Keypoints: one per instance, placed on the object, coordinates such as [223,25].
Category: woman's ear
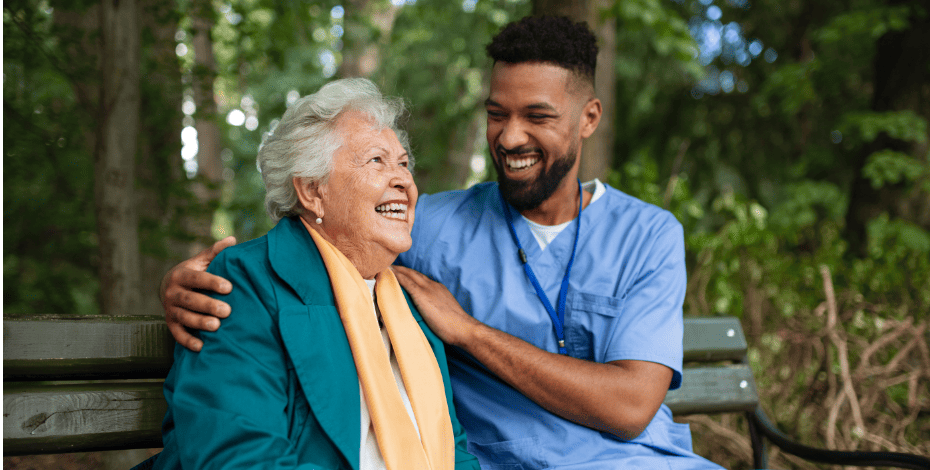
[309,195]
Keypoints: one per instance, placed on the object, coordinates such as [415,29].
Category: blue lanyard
[558,317]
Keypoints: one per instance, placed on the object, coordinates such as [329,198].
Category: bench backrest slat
[48,347]
[82,417]
[714,339]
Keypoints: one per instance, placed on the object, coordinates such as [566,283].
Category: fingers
[202,259]
[196,321]
[409,278]
[186,278]
[178,319]
[222,245]
[185,299]
[184,338]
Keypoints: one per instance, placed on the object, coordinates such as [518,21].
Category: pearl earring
[319,220]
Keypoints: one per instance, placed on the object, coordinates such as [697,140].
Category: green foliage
[871,23]
[891,167]
[666,31]
[903,125]
[898,265]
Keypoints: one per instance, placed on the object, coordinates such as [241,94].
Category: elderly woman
[333,367]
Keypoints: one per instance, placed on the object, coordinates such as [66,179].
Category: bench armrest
[763,426]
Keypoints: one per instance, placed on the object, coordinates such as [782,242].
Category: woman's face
[368,202]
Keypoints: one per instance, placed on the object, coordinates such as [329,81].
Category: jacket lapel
[314,337]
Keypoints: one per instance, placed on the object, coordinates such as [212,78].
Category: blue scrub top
[624,301]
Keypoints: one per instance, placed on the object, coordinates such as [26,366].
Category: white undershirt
[546,233]
[369,454]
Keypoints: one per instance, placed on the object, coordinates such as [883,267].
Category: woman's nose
[401,177]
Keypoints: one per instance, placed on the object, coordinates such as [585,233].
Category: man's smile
[521,162]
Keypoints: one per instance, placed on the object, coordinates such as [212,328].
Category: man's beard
[529,194]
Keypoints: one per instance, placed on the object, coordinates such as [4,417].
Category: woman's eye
[405,164]
[376,160]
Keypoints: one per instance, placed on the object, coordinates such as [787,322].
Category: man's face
[533,131]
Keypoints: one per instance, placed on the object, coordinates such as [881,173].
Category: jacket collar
[293,256]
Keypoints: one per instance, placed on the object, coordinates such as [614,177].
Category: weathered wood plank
[718,389]
[714,339]
[47,347]
[42,347]
[54,418]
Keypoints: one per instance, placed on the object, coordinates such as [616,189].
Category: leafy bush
[838,343]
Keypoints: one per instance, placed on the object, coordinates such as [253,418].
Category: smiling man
[561,301]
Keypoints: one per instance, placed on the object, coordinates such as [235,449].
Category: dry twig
[842,353]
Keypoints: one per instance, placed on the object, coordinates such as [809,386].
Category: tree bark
[210,166]
[117,221]
[577,10]
[597,153]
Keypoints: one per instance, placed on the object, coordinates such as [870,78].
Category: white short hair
[304,142]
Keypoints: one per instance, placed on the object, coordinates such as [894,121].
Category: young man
[561,302]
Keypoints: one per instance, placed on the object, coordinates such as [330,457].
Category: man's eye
[538,116]
[376,160]
[495,114]
[405,164]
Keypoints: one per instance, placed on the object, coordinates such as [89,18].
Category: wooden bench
[78,384]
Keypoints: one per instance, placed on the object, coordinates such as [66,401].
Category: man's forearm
[620,397]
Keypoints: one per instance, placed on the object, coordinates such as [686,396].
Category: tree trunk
[210,166]
[117,221]
[597,149]
[367,25]
[577,10]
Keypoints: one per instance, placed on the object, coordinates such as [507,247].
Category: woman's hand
[438,307]
[186,308]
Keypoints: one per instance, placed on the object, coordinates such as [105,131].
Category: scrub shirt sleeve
[650,327]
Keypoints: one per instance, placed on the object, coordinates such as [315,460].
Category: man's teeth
[520,163]
[393,210]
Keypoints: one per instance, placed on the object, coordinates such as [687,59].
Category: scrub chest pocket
[588,319]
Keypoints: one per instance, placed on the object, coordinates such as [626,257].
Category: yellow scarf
[401,448]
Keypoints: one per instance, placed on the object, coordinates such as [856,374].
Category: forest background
[790,138]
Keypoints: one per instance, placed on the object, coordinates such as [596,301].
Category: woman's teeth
[393,210]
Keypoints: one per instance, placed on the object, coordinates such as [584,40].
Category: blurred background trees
[790,139]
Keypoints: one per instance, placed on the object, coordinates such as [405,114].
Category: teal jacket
[275,387]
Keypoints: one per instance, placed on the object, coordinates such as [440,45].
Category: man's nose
[513,135]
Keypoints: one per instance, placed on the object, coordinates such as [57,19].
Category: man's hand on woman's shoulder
[184,307]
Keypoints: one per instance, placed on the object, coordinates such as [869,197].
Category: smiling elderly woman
[304,378]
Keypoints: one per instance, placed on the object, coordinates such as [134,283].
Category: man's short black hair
[551,39]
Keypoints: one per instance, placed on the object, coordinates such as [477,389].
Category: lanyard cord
[558,317]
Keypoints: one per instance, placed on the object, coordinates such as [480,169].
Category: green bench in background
[79,384]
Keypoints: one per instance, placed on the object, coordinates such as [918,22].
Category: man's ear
[590,117]
[310,195]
